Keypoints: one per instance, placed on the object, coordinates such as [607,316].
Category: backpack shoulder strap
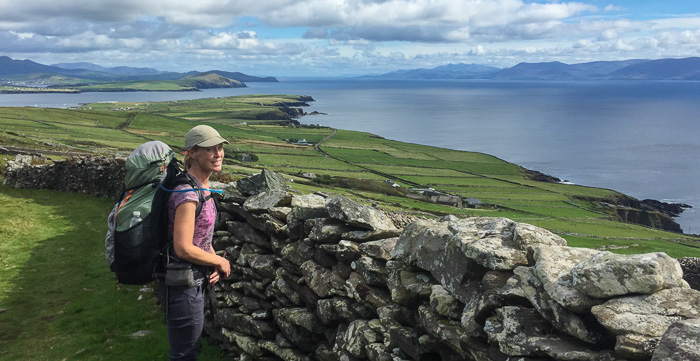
[200,194]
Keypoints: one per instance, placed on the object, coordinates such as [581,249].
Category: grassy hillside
[54,281]
[354,164]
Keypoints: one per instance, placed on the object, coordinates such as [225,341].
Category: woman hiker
[192,244]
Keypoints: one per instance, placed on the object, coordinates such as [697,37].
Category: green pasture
[117,128]
[59,298]
[149,85]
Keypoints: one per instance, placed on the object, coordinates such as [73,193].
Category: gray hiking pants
[185,319]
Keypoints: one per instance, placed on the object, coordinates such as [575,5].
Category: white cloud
[368,34]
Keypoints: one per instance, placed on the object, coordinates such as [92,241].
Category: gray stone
[432,247]
[264,201]
[308,207]
[301,317]
[248,344]
[362,292]
[607,274]
[528,237]
[324,353]
[244,324]
[681,341]
[326,230]
[406,340]
[263,264]
[287,354]
[282,288]
[323,281]
[280,213]
[444,304]
[484,301]
[499,243]
[372,270]
[407,287]
[562,319]
[563,348]
[352,340]
[297,253]
[447,331]
[268,224]
[267,180]
[367,235]
[246,233]
[335,309]
[511,327]
[640,321]
[377,352]
[347,251]
[359,215]
[300,326]
[380,249]
[553,268]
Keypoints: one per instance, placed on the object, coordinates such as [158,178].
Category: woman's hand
[214,277]
[224,266]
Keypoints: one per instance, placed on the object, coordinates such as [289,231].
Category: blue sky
[343,37]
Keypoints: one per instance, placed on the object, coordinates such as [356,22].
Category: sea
[641,138]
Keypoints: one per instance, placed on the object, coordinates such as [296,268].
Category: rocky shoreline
[631,209]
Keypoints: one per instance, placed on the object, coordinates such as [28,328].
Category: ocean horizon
[636,137]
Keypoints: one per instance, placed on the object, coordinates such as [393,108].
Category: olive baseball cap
[203,136]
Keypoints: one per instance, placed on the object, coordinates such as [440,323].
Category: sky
[287,38]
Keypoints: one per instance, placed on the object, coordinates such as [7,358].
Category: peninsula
[396,176]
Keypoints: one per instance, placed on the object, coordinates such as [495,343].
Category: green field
[350,163]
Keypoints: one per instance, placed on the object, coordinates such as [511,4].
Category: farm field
[359,165]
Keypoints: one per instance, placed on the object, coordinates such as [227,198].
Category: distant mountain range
[637,69]
[450,71]
[663,69]
[27,69]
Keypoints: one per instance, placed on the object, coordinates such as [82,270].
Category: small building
[446,199]
[473,203]
[391,183]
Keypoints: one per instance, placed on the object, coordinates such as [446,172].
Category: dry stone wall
[318,277]
[97,176]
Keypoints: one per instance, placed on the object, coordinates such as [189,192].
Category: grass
[60,298]
[117,128]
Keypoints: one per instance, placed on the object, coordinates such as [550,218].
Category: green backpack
[138,224]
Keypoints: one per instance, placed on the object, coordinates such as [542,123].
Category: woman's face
[209,159]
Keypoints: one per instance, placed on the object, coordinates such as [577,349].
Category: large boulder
[561,318]
[499,243]
[640,321]
[307,207]
[680,342]
[267,180]
[360,216]
[553,266]
[264,201]
[493,243]
[432,246]
[608,275]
